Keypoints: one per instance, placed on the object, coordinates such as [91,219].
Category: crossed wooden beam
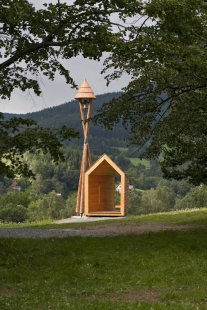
[85,96]
[86,157]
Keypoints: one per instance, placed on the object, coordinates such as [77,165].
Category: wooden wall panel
[100,193]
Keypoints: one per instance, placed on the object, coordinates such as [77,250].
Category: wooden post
[85,96]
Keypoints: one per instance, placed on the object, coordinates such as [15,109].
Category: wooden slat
[107,213]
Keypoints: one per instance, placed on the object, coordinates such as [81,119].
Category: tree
[34,41]
[48,206]
[159,199]
[10,213]
[19,135]
[165,103]
[197,198]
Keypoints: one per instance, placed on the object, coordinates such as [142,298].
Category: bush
[150,203]
[16,198]
[11,213]
[153,200]
[197,198]
[70,206]
[47,207]
[134,202]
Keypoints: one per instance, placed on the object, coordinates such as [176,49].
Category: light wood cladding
[100,188]
[85,96]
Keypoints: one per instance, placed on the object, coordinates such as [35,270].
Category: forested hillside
[53,193]
[68,114]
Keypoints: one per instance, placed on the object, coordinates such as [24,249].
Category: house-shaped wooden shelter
[100,189]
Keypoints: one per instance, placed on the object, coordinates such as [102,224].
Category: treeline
[52,194]
[166,197]
[30,206]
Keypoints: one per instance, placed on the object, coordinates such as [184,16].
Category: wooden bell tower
[85,96]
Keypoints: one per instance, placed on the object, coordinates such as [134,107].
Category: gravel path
[99,230]
[24,232]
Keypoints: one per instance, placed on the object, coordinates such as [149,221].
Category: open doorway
[117,192]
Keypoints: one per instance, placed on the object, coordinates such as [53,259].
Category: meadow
[163,270]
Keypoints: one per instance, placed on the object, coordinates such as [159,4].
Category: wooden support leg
[79,194]
[86,157]
[89,156]
[82,181]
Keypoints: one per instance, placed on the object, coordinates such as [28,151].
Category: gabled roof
[107,159]
[85,91]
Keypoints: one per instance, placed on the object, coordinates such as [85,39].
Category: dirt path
[99,230]
[120,228]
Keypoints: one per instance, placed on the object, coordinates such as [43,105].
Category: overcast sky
[57,92]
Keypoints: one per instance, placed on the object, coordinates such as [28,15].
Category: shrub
[11,213]
[47,207]
[197,198]
[134,202]
[70,206]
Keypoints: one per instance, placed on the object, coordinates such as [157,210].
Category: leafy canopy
[19,135]
[165,103]
[35,41]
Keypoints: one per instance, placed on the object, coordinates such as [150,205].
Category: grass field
[137,161]
[193,216]
[165,270]
[134,160]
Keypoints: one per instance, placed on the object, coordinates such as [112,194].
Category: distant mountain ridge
[101,139]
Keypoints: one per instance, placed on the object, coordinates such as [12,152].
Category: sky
[58,92]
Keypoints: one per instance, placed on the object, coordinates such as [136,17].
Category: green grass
[28,224]
[192,217]
[165,270]
[137,161]
[121,149]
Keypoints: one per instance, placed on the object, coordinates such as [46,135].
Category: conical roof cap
[85,91]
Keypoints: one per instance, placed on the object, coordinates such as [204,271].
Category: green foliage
[68,114]
[35,40]
[18,135]
[13,206]
[17,198]
[122,162]
[31,206]
[134,202]
[143,177]
[47,207]
[63,178]
[166,196]
[165,103]
[197,198]
[70,206]
[157,200]
[11,213]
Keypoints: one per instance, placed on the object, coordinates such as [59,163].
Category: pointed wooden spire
[85,91]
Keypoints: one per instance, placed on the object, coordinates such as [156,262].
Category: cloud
[57,92]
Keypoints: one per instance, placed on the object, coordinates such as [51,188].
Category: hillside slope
[101,139]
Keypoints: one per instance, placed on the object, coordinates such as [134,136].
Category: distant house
[118,188]
[15,186]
